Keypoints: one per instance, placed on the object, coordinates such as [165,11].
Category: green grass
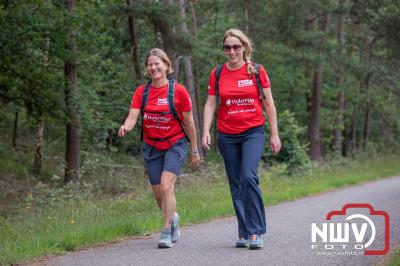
[394,258]
[391,259]
[73,224]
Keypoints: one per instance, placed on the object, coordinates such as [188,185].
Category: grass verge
[394,258]
[73,224]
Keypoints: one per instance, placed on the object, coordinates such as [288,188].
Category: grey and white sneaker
[255,242]
[242,243]
[165,239]
[175,234]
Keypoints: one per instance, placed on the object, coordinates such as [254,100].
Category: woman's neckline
[233,69]
[159,84]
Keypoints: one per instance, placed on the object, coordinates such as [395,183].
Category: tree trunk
[196,68]
[313,106]
[172,54]
[188,76]
[316,98]
[354,142]
[134,46]
[367,112]
[368,104]
[37,163]
[315,110]
[340,97]
[15,130]
[73,137]
[246,7]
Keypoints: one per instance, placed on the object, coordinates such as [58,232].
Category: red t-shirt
[156,125]
[240,107]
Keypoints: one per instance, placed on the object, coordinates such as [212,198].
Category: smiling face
[156,67]
[233,49]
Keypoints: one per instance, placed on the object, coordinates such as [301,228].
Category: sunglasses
[235,47]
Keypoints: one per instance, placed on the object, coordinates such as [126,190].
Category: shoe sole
[165,245]
[256,247]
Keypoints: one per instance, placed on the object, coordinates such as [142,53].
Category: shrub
[293,152]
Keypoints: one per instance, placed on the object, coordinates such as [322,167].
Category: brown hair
[160,54]
[248,45]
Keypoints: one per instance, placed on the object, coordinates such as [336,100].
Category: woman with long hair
[243,91]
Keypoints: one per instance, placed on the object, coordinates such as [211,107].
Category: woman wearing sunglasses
[164,146]
[241,131]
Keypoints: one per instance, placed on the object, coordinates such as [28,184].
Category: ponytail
[251,70]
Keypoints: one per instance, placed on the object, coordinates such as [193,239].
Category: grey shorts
[170,160]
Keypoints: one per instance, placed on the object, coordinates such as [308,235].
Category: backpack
[171,106]
[218,75]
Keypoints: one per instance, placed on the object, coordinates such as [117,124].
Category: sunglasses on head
[235,47]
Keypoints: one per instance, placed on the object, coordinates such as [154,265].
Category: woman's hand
[122,131]
[275,144]
[206,140]
[130,122]
[195,160]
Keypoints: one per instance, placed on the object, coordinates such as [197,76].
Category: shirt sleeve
[136,101]
[211,82]
[183,102]
[264,80]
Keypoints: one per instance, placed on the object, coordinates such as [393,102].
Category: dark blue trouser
[242,153]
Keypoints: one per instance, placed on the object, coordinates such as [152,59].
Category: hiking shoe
[175,234]
[255,242]
[242,243]
[165,239]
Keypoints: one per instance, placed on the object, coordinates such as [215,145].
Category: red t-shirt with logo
[157,125]
[240,107]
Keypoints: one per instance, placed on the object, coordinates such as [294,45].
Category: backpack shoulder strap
[260,89]
[218,71]
[144,96]
[143,105]
[171,105]
[171,97]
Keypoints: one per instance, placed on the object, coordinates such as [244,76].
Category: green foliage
[293,152]
[278,29]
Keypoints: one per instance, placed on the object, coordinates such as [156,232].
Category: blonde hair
[163,56]
[248,45]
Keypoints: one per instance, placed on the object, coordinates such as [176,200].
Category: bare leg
[157,195]
[168,197]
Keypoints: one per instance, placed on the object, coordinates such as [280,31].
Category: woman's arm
[209,110]
[130,122]
[191,131]
[269,106]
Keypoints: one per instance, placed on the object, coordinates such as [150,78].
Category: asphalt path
[287,242]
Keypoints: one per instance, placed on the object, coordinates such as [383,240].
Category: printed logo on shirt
[154,118]
[248,101]
[209,87]
[245,83]
[162,101]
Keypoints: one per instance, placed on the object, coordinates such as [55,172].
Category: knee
[250,180]
[165,189]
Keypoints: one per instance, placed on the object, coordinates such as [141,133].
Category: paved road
[288,241]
